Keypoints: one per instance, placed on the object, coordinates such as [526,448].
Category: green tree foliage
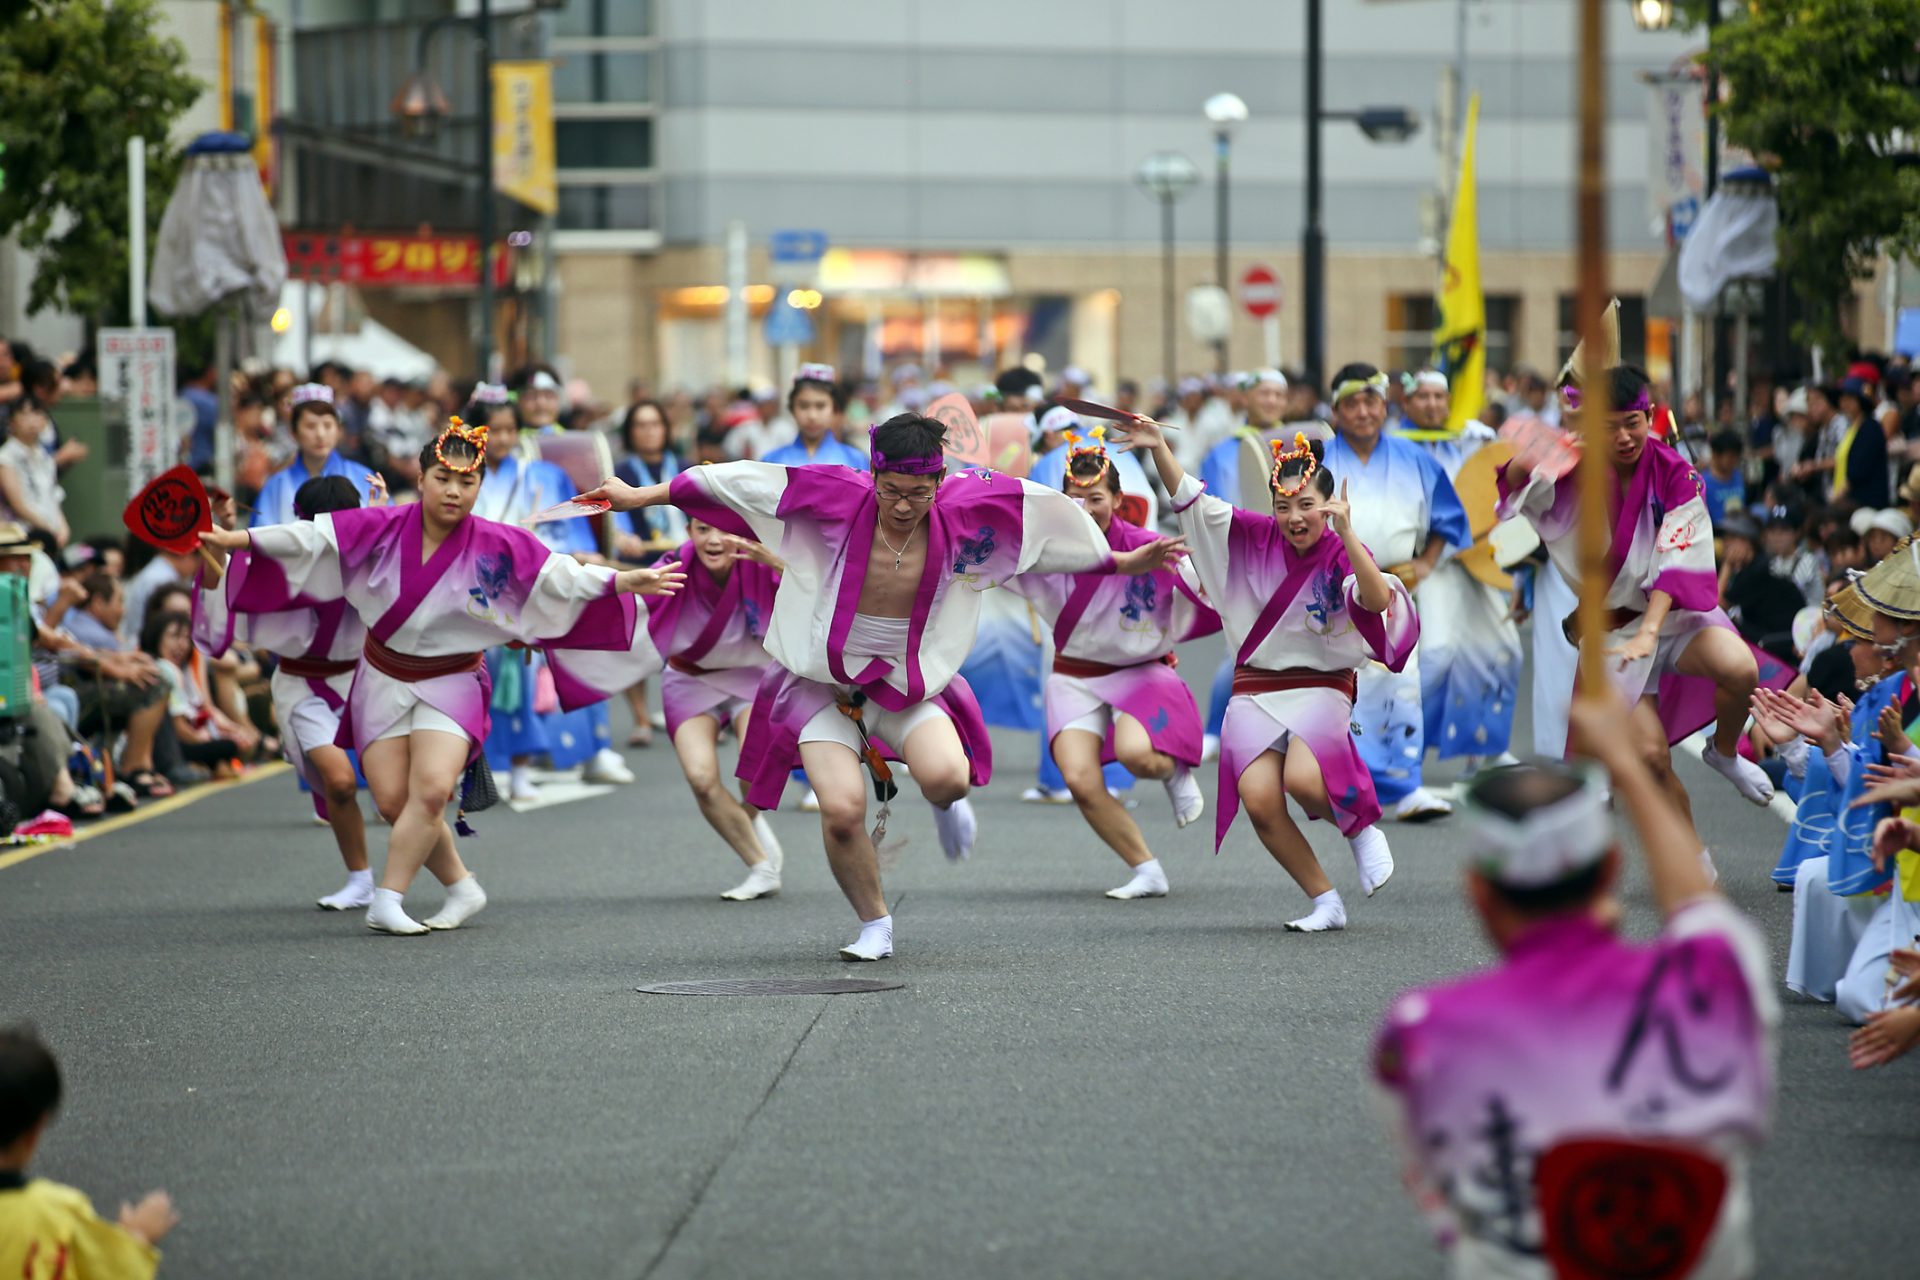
[78,79]
[1826,95]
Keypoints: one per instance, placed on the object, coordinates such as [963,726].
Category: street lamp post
[1166,176]
[422,105]
[1381,124]
[1224,110]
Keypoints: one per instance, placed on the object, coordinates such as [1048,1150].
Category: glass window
[605,18]
[603,77]
[606,207]
[1410,320]
[604,144]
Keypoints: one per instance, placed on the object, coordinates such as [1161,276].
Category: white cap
[1271,377]
[542,381]
[1862,520]
[1888,520]
[1075,374]
[1058,418]
[1797,401]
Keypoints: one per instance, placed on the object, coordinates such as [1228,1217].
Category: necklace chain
[899,551]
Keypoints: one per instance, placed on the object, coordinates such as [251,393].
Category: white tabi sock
[762,882]
[957,827]
[520,784]
[357,893]
[1184,790]
[1149,881]
[769,844]
[1372,857]
[1209,747]
[386,915]
[1328,913]
[464,900]
[874,943]
[1746,776]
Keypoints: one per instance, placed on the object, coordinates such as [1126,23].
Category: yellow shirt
[49,1231]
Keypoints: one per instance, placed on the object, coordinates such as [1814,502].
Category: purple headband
[930,465]
[1642,403]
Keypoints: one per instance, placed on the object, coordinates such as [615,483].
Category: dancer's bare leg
[841,783]
[1263,794]
[1133,747]
[1077,752]
[1718,655]
[697,744]
[342,792]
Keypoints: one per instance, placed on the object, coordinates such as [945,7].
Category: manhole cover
[769,987]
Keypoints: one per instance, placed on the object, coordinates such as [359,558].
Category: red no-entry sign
[1260,292]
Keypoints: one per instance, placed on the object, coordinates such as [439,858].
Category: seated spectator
[1762,603]
[129,694]
[202,732]
[47,1228]
[1884,529]
[1723,487]
[1488,1073]
[1791,559]
[1844,551]
[30,489]
[166,569]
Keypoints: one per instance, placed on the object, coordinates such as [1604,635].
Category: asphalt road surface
[1066,1086]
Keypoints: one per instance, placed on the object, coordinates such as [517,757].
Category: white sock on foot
[1329,912]
[1184,790]
[1746,776]
[810,802]
[957,827]
[1209,747]
[386,915]
[769,844]
[874,943]
[520,784]
[357,893]
[464,900]
[1421,805]
[1149,881]
[1372,857]
[762,882]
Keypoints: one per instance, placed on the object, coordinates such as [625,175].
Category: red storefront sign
[391,261]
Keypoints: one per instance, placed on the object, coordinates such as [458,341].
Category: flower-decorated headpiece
[313,393]
[816,373]
[1091,445]
[1300,450]
[490,394]
[475,436]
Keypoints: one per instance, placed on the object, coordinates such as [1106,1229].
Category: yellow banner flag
[1460,332]
[523,164]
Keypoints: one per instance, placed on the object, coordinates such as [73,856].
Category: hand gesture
[1905,961]
[1137,433]
[227,539]
[1896,770]
[748,549]
[72,593]
[1890,836]
[1892,734]
[1888,1034]
[1635,649]
[614,491]
[1816,720]
[1767,727]
[151,1219]
[1149,556]
[1340,515]
[377,495]
[652,582]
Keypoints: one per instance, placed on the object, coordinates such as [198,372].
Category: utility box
[97,488]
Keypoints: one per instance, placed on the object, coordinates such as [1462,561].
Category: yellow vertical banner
[523,164]
[1460,332]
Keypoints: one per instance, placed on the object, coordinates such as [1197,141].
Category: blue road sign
[788,325]
[797,246]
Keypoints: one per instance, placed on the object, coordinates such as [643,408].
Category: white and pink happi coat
[315,637]
[1286,611]
[713,635]
[1578,1033]
[488,584]
[1662,540]
[982,529]
[1130,624]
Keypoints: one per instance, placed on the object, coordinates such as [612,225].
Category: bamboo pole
[1592,418]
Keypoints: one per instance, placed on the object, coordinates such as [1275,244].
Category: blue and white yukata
[510,492]
[275,503]
[1401,499]
[1470,654]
